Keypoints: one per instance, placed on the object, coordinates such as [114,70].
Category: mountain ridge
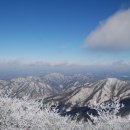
[95,93]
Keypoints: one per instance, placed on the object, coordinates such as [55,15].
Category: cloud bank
[111,34]
[37,66]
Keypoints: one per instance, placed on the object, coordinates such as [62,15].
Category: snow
[30,87]
[25,114]
[98,92]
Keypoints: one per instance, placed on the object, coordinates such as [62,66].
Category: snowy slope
[66,82]
[30,87]
[42,86]
[95,93]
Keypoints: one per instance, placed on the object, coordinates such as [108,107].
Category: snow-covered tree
[25,114]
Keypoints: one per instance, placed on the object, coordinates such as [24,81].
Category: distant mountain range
[42,86]
[66,83]
[75,90]
[69,94]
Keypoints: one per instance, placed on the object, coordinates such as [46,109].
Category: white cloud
[112,34]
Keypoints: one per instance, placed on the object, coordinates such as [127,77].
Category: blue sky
[55,31]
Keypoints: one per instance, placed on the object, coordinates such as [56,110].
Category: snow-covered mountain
[66,82]
[75,95]
[71,90]
[42,86]
[94,94]
[29,87]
